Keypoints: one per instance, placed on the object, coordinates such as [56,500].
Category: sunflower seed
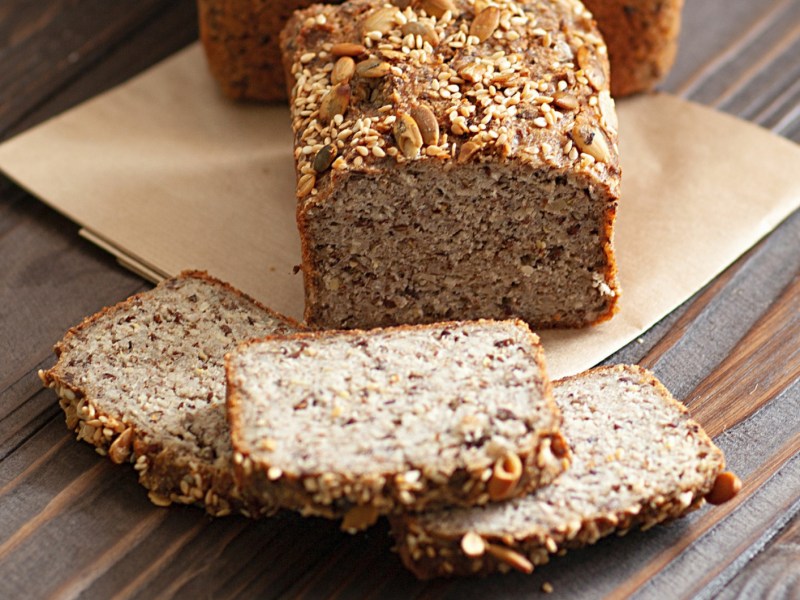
[382,20]
[591,140]
[467,151]
[343,70]
[348,49]
[485,23]
[373,68]
[423,30]
[407,135]
[437,8]
[427,123]
[335,102]
[590,64]
[305,185]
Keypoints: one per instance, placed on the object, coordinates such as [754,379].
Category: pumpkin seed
[324,158]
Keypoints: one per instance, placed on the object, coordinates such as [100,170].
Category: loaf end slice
[362,423]
[144,382]
[429,145]
[638,459]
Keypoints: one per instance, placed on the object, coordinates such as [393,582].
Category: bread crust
[431,554]
[240,40]
[642,38]
[168,475]
[341,494]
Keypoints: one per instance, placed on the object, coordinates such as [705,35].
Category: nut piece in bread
[467,169]
[361,423]
[638,459]
[144,382]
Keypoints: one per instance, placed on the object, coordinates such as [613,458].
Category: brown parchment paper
[166,174]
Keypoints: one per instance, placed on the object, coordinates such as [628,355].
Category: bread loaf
[637,459]
[362,423]
[144,382]
[453,165]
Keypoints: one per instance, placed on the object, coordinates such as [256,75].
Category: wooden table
[73,524]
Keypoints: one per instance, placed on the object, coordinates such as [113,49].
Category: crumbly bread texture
[642,39]
[637,459]
[144,382]
[430,145]
[361,423]
[240,39]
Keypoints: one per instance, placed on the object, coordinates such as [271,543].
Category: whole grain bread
[144,382]
[637,459]
[642,39]
[432,144]
[362,423]
[240,40]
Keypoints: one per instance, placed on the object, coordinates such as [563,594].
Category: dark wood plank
[774,573]
[50,43]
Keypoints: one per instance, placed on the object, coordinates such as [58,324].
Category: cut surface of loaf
[363,423]
[637,459]
[144,382]
[432,144]
[642,39]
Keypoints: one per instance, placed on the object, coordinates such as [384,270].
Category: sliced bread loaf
[144,382]
[637,459]
[361,423]
[439,138]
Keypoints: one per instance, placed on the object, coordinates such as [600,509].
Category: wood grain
[732,351]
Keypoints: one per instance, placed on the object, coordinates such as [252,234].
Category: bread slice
[637,459]
[434,140]
[361,423]
[144,382]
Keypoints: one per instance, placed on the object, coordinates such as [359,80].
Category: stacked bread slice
[144,381]
[449,428]
[358,423]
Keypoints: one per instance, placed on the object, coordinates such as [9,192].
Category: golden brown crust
[642,39]
[168,476]
[240,38]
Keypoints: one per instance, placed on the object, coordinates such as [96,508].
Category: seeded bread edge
[167,476]
[444,556]
[361,499]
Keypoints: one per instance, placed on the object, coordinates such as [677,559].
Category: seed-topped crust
[637,460]
[143,382]
[362,423]
[492,70]
[451,90]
